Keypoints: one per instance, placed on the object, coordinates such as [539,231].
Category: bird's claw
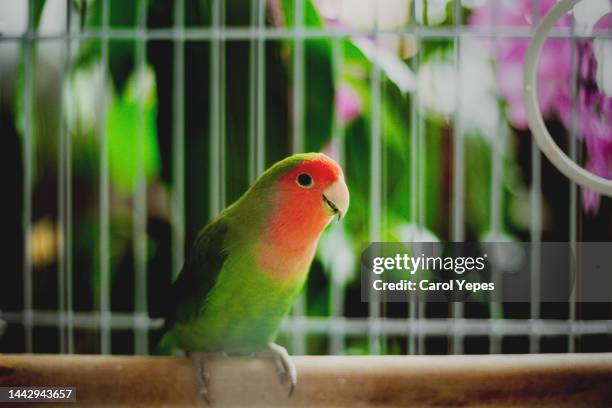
[285,368]
[200,365]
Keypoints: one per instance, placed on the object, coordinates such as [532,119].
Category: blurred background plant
[424,93]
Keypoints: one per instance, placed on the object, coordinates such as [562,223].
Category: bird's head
[316,185]
[303,193]
[287,209]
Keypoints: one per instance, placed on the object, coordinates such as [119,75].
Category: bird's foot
[201,367]
[285,368]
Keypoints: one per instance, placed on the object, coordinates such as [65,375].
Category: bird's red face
[319,184]
[310,195]
[307,197]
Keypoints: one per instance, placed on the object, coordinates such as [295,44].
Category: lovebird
[249,264]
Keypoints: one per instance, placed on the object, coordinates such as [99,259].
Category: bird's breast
[285,262]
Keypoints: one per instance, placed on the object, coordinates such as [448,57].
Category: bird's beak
[336,198]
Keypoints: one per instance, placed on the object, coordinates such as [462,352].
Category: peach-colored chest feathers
[291,238]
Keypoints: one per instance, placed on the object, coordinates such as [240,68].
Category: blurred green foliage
[131,125]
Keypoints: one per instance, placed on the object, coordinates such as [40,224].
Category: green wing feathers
[195,281]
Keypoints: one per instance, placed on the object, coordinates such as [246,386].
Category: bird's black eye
[304,180]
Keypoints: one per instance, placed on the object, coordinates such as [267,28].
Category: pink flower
[595,124]
[553,72]
[594,108]
[348,103]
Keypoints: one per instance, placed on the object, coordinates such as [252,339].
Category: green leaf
[131,120]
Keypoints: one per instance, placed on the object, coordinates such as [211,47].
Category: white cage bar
[105,303]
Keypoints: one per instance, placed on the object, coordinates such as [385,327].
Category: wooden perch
[485,381]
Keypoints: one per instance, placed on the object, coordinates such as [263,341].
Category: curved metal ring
[543,138]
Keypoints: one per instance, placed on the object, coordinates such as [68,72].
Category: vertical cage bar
[458,191]
[61,222]
[139,213]
[535,234]
[104,244]
[535,231]
[178,139]
[64,231]
[421,192]
[222,107]
[414,193]
[422,176]
[375,183]
[337,284]
[297,145]
[69,209]
[261,89]
[495,307]
[496,228]
[298,79]
[257,90]
[215,113]
[28,165]
[574,197]
[253,55]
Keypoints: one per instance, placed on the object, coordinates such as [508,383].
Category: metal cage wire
[417,326]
